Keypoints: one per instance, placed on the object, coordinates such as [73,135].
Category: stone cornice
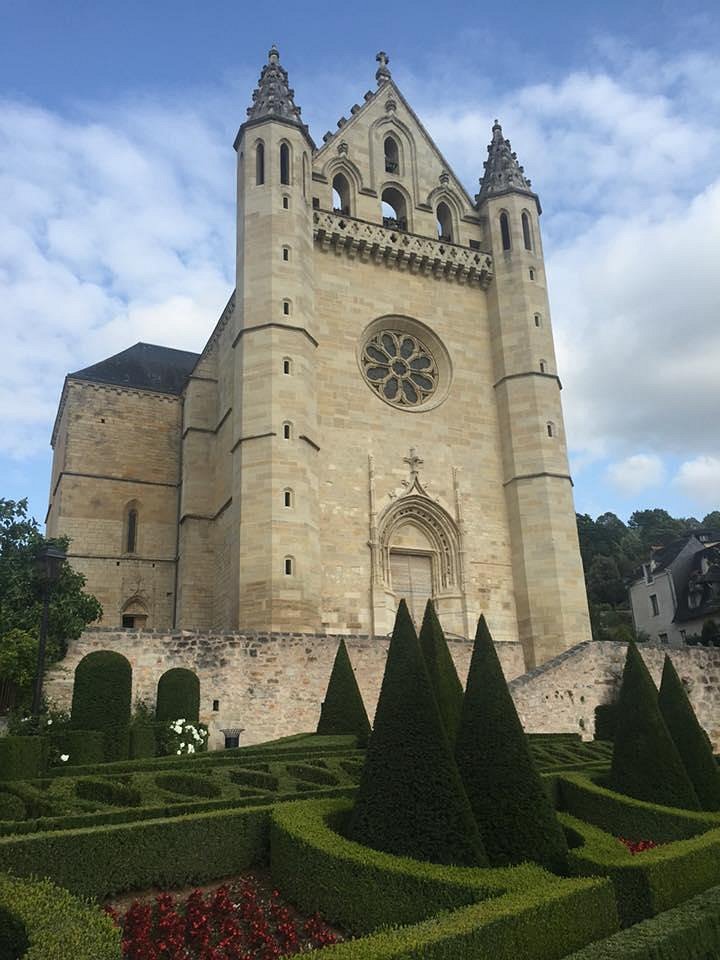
[406,251]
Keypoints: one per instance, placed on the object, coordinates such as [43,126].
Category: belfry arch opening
[392,155]
[341,194]
[394,209]
[444,222]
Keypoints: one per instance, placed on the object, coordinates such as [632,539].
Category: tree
[689,737]
[70,609]
[604,582]
[645,762]
[411,801]
[343,710]
[516,818]
[710,634]
[712,520]
[443,675]
[656,527]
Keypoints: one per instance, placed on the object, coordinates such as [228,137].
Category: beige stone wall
[272,684]
[115,448]
[561,696]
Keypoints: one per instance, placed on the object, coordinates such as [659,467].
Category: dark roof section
[145,366]
[704,587]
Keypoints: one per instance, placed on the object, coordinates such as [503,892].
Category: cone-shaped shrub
[646,763]
[443,675]
[516,818]
[178,696]
[343,710]
[101,700]
[689,737]
[411,801]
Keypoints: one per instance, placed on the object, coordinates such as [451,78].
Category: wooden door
[411,575]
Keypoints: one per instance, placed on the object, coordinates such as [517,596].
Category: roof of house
[703,584]
[145,366]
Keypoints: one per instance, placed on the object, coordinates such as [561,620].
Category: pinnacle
[502,173]
[382,74]
[273,98]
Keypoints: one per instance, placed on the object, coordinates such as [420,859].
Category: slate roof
[145,366]
[707,585]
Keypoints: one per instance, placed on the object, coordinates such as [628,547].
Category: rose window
[400,368]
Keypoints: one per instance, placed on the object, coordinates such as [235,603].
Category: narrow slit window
[286,254]
[287,431]
[289,566]
[532,273]
[285,164]
[286,203]
[132,527]
[527,233]
[288,497]
[260,164]
[505,230]
[537,320]
[543,367]
[287,366]
[550,429]
[286,308]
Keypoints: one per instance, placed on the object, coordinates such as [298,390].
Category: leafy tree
[710,634]
[657,527]
[343,710]
[646,763]
[689,737]
[516,818]
[443,675]
[604,581]
[70,608]
[712,520]
[411,801]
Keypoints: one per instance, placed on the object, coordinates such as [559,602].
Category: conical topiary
[443,675]
[343,710]
[689,737]
[516,818]
[646,763]
[411,801]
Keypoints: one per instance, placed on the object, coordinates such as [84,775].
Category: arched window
[305,175]
[550,426]
[543,366]
[260,163]
[131,531]
[538,321]
[392,156]
[287,431]
[289,566]
[505,230]
[394,209]
[527,233]
[284,163]
[288,498]
[532,273]
[286,203]
[444,222]
[287,366]
[341,194]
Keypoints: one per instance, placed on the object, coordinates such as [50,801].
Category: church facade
[376,414]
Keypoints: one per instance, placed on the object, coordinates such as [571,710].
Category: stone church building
[375,415]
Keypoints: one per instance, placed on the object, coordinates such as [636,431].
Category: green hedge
[100,861]
[306,771]
[50,924]
[143,742]
[688,932]
[101,700]
[11,807]
[178,696]
[652,881]
[625,816]
[255,778]
[21,758]
[343,710]
[105,791]
[496,910]
[81,746]
[188,784]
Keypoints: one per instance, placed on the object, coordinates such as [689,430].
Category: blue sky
[116,206]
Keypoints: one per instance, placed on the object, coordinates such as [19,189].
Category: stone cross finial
[382,74]
[414,462]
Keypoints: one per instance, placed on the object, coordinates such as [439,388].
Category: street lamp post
[49,563]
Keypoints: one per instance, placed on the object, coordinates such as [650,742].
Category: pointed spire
[382,74]
[503,174]
[273,98]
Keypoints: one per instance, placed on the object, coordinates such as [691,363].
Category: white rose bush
[184,738]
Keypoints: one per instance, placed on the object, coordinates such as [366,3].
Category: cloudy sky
[116,195]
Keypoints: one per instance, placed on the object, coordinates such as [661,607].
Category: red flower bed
[235,922]
[638,846]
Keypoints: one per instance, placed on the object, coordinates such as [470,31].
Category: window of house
[289,566]
[505,230]
[128,621]
[392,156]
[285,164]
[444,222]
[527,235]
[654,606]
[474,244]
[663,637]
[260,163]
[316,203]
[216,706]
[132,527]
[683,635]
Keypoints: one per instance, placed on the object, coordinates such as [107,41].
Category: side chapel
[375,415]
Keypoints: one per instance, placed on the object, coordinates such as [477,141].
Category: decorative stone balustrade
[406,251]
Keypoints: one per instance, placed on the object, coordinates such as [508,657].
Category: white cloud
[636,473]
[700,479]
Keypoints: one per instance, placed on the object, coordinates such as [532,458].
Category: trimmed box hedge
[688,932]
[625,816]
[39,921]
[650,882]
[81,746]
[21,758]
[364,889]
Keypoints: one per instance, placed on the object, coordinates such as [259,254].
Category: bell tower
[547,569]
[275,441]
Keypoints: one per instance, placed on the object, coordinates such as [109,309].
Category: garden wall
[272,684]
[561,695]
